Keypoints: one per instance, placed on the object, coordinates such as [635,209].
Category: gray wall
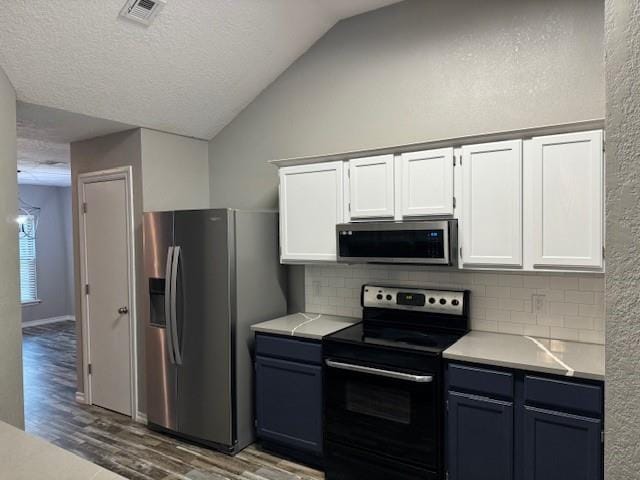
[622,279]
[11,396]
[175,172]
[102,153]
[417,71]
[53,247]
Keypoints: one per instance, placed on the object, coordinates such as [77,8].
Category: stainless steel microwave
[432,242]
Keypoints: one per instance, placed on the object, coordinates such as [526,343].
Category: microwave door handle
[380,372]
[174,313]
[167,306]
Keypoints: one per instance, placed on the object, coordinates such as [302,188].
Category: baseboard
[45,321]
[80,398]
[141,417]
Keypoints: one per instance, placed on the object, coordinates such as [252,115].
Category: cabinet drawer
[289,348]
[563,395]
[480,380]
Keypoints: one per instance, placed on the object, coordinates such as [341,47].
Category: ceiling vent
[142,11]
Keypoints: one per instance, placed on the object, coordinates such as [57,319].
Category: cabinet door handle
[380,372]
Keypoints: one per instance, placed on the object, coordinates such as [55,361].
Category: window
[27,246]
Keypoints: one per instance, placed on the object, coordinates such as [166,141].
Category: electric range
[383,392]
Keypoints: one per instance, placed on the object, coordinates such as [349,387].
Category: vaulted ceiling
[191,72]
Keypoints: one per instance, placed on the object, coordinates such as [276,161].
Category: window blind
[27,246]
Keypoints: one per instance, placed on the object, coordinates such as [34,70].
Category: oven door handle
[379,372]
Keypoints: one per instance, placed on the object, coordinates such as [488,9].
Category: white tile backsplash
[500,302]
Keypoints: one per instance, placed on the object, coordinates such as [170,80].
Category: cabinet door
[289,403]
[491,214]
[371,187]
[559,446]
[568,200]
[480,438]
[311,204]
[426,182]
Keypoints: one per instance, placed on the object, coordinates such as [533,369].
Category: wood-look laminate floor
[113,440]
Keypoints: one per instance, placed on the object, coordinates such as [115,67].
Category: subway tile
[512,328]
[591,336]
[522,293]
[312,308]
[551,295]
[328,291]
[523,317]
[562,308]
[336,282]
[511,280]
[564,333]
[585,323]
[591,310]
[511,304]
[537,330]
[550,320]
[336,301]
[328,309]
[500,292]
[499,315]
[484,302]
[577,296]
[595,283]
[398,275]
[486,279]
[478,313]
[563,283]
[535,281]
[598,298]
[484,325]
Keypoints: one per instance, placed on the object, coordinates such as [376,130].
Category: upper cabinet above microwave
[371,187]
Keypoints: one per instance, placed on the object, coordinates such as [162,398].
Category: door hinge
[603,251]
[454,160]
[349,207]
[89,369]
[454,202]
[84,207]
[460,159]
[460,252]
[86,289]
[602,436]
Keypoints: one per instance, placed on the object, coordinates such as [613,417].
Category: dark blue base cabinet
[514,425]
[289,396]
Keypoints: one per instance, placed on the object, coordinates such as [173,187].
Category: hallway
[114,441]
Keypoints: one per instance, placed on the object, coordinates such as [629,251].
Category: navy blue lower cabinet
[561,446]
[289,403]
[480,438]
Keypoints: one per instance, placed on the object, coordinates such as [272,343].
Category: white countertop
[25,457]
[559,357]
[305,325]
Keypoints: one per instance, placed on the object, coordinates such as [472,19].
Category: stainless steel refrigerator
[210,275]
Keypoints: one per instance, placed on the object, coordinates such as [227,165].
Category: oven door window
[391,417]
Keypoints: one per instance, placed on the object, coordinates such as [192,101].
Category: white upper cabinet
[567,200]
[426,183]
[371,187]
[491,216]
[311,204]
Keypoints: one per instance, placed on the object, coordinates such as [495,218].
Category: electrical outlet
[315,286]
[539,303]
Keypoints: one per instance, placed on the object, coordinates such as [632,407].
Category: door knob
[123,310]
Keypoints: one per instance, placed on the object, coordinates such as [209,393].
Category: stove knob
[442,301]
[432,300]
[389,297]
[379,296]
[455,302]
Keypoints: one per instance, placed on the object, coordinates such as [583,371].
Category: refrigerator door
[161,374]
[204,330]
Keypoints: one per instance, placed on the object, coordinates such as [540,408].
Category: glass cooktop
[435,342]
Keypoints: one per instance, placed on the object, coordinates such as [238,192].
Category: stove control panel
[416,299]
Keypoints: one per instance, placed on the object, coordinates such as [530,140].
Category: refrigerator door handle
[174,323]
[167,306]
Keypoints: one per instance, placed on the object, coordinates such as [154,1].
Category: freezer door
[203,321]
[161,374]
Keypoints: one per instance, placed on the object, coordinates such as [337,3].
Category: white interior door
[427,182]
[491,214]
[568,199]
[371,191]
[106,272]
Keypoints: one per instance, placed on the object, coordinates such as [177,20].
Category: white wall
[54,245]
[175,172]
[11,396]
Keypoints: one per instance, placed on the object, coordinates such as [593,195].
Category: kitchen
[421,154]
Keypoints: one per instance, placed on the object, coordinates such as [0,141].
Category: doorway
[109,356]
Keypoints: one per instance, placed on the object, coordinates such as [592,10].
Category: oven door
[388,412]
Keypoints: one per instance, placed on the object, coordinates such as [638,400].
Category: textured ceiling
[191,72]
[42,162]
